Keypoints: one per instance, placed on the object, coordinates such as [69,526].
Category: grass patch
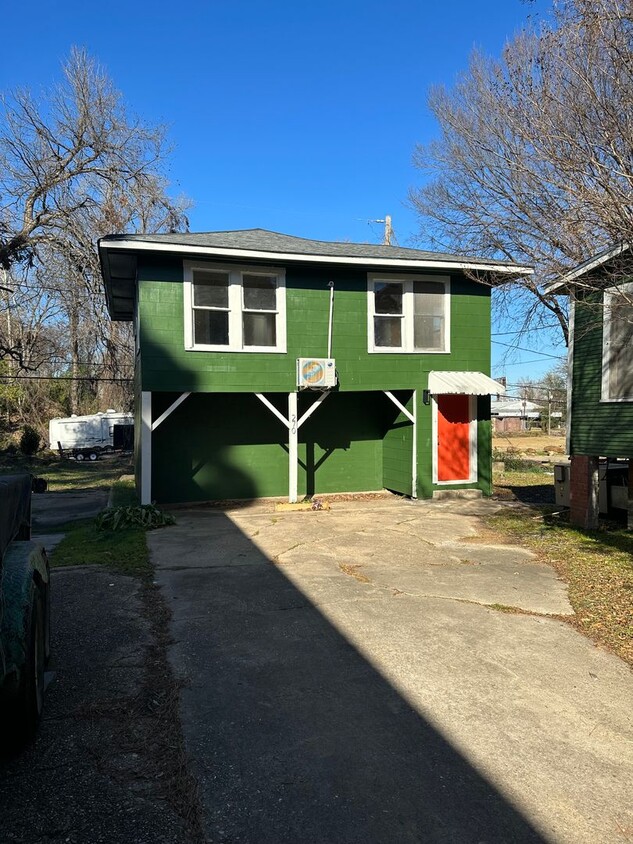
[65,475]
[123,551]
[123,492]
[596,565]
[531,484]
[513,463]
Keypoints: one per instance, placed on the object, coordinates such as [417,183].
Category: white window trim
[235,308]
[606,342]
[474,466]
[407,313]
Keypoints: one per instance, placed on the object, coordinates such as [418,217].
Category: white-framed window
[408,314]
[617,344]
[234,309]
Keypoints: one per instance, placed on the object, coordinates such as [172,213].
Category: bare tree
[72,168]
[535,162]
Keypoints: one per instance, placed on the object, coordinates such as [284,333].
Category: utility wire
[523,331]
[524,349]
[61,378]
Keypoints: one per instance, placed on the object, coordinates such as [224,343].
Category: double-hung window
[617,344]
[409,314]
[234,309]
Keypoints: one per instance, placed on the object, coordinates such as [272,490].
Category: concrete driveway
[347,680]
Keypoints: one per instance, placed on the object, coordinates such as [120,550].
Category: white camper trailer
[86,436]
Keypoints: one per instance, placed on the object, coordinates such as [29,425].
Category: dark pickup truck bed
[24,615]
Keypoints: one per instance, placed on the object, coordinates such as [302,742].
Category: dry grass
[354,571]
[596,565]
[537,441]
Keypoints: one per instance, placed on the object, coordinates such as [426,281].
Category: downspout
[330,284]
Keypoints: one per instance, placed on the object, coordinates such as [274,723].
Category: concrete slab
[346,681]
[51,509]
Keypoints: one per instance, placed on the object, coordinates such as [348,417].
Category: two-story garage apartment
[270,365]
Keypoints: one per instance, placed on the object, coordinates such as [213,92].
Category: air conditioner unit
[316,372]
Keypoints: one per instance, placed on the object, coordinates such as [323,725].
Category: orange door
[453,438]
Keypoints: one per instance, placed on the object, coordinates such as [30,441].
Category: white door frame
[472,412]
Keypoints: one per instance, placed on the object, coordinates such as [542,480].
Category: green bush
[29,441]
[147,516]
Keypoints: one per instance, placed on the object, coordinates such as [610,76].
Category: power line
[523,330]
[524,362]
[61,378]
[523,349]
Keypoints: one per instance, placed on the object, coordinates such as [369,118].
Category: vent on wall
[316,372]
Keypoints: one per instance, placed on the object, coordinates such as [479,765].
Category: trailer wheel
[79,455]
[93,456]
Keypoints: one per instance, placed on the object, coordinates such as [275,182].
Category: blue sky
[296,117]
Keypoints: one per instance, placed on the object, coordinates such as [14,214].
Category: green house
[271,365]
[600,382]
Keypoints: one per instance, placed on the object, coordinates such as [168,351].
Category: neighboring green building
[600,384]
[239,334]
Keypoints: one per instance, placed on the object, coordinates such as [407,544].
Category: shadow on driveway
[294,735]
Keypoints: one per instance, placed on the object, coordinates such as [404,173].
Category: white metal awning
[468,383]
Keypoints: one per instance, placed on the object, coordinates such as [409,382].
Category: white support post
[410,416]
[414,449]
[312,408]
[170,410]
[293,424]
[293,447]
[273,409]
[146,448]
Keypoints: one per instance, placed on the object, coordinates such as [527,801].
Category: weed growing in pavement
[146,516]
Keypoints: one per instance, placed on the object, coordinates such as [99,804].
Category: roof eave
[564,285]
[297,257]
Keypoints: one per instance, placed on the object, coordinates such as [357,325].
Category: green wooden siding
[228,445]
[604,429]
[220,444]
[397,452]
[167,366]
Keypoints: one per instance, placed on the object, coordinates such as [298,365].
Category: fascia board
[586,267]
[252,254]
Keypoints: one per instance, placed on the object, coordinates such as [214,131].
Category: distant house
[271,365]
[512,415]
[600,384]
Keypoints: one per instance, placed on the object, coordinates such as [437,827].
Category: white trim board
[252,254]
[605,385]
[235,307]
[407,346]
[586,267]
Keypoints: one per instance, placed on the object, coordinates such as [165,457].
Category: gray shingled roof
[267,241]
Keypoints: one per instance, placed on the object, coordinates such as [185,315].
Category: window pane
[428,332]
[428,297]
[429,301]
[211,328]
[388,298]
[260,292]
[621,349]
[260,330]
[211,290]
[388,332]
